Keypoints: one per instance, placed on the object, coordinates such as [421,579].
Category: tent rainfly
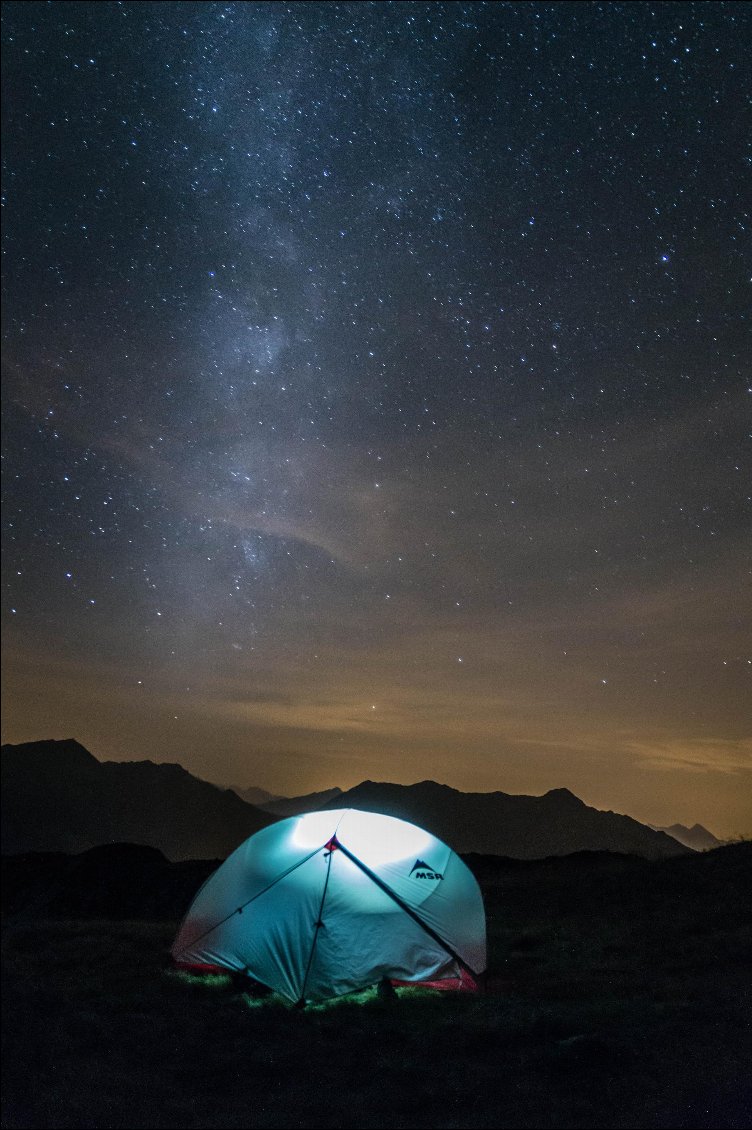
[327,903]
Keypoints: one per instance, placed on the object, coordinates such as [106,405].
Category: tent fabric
[327,903]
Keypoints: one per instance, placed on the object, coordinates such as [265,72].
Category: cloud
[698,755]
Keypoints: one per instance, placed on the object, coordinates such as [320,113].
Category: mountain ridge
[698,838]
[520,827]
[57,796]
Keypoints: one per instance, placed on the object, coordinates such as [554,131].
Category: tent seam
[239,909]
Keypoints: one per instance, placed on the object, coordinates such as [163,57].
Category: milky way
[377,393]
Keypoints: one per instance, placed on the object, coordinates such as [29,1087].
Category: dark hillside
[57,797]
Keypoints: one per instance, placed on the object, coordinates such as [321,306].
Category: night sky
[376,394]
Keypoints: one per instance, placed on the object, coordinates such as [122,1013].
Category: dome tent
[327,903]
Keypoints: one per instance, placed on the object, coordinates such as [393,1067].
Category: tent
[327,903]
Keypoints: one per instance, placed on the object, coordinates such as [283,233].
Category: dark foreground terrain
[619,995]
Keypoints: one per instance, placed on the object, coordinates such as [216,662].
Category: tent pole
[403,905]
[319,924]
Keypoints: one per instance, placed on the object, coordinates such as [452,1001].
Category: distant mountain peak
[565,795]
[696,837]
[252,794]
[50,747]
[427,785]
[309,802]
[49,756]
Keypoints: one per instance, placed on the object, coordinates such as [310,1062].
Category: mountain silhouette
[256,796]
[57,797]
[696,837]
[521,827]
[310,802]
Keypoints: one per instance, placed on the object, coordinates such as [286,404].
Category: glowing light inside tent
[374,838]
[314,829]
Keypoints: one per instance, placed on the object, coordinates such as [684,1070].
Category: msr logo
[423,870]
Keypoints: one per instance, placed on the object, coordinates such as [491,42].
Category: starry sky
[377,394]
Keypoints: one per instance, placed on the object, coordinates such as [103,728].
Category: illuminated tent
[329,902]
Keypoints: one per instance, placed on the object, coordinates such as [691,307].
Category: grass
[618,997]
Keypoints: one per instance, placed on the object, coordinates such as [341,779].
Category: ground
[618,996]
